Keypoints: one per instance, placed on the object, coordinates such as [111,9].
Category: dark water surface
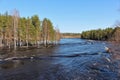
[72,59]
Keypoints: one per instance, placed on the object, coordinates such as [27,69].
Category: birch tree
[15,27]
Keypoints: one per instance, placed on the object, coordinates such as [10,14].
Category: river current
[71,59]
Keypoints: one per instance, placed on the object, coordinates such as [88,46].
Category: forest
[111,34]
[16,31]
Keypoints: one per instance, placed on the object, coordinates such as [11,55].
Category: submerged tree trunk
[15,26]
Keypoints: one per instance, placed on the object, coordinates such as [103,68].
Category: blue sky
[68,15]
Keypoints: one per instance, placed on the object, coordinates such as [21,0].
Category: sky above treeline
[69,15]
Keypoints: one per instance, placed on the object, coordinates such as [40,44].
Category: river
[72,59]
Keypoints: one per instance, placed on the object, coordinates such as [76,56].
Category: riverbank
[115,50]
[24,52]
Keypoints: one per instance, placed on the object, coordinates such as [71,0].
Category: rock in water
[31,57]
[108,59]
[107,49]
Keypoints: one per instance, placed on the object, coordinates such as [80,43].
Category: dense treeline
[16,31]
[99,34]
[115,34]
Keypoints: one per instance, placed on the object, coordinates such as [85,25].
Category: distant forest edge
[70,35]
[16,31]
[110,34]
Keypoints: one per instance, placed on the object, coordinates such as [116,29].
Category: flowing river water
[72,59]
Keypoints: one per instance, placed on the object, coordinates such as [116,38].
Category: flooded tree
[49,34]
[36,24]
[27,31]
[44,32]
[57,35]
[15,27]
[16,31]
